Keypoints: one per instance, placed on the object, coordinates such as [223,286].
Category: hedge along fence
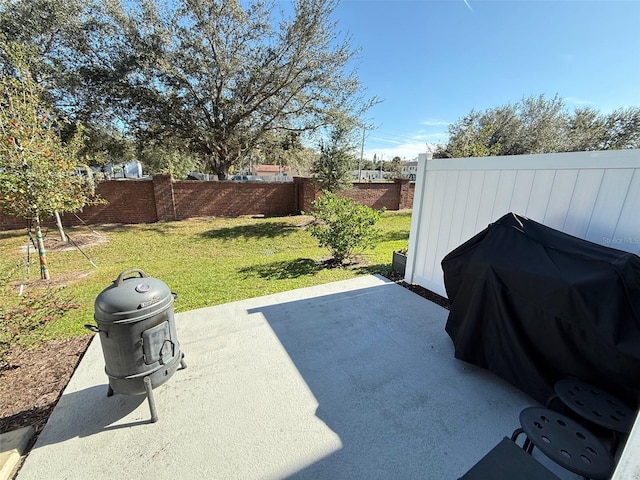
[161,199]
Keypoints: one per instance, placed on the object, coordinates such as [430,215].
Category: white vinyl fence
[591,195]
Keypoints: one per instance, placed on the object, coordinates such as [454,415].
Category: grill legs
[152,401]
[148,388]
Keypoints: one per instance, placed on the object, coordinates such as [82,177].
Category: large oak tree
[216,79]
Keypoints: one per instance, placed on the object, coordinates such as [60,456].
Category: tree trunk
[63,236]
[44,270]
[222,171]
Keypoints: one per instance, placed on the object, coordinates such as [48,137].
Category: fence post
[164,199]
[416,218]
[403,193]
[306,191]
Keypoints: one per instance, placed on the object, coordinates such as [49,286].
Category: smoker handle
[118,281]
[95,329]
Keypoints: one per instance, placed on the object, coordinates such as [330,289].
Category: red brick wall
[308,191]
[375,195]
[149,201]
[407,191]
[129,201]
[230,199]
[392,196]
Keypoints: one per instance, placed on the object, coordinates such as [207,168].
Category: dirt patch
[53,242]
[30,388]
[417,289]
[58,280]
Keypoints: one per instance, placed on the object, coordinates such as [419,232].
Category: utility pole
[361,154]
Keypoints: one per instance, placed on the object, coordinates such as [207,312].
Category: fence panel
[591,195]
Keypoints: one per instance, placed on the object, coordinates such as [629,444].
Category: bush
[343,226]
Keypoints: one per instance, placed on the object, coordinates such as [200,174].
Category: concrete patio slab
[348,380]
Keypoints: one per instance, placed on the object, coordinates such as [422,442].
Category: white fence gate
[591,195]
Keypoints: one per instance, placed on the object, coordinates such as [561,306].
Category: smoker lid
[132,298]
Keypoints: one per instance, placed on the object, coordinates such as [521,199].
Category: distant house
[118,170]
[409,170]
[369,174]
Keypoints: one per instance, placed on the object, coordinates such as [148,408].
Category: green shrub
[343,226]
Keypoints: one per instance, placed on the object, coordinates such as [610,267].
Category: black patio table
[596,405]
[508,461]
[566,442]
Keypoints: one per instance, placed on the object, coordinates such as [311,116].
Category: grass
[205,261]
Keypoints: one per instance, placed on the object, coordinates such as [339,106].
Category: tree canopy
[215,79]
[336,160]
[37,165]
[540,125]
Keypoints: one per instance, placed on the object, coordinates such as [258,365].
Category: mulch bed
[417,289]
[32,385]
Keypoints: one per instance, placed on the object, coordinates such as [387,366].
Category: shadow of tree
[13,234]
[283,270]
[19,419]
[162,228]
[258,230]
[383,269]
[394,235]
[114,227]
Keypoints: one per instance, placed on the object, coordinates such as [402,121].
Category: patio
[347,380]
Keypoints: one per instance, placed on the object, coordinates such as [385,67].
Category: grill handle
[118,281]
[95,329]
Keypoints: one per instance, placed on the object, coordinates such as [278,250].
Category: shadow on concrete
[387,384]
[88,412]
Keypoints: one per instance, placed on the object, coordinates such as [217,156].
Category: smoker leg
[183,364]
[152,402]
[110,392]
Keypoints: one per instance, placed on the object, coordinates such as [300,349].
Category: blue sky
[432,62]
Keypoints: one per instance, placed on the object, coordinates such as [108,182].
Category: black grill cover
[534,305]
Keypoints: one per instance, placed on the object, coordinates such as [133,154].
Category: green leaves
[540,125]
[343,226]
[37,168]
[332,169]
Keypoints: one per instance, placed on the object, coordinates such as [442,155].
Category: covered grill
[535,305]
[135,320]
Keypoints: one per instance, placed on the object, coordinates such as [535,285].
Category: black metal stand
[148,388]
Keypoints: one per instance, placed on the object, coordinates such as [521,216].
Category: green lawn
[205,261]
